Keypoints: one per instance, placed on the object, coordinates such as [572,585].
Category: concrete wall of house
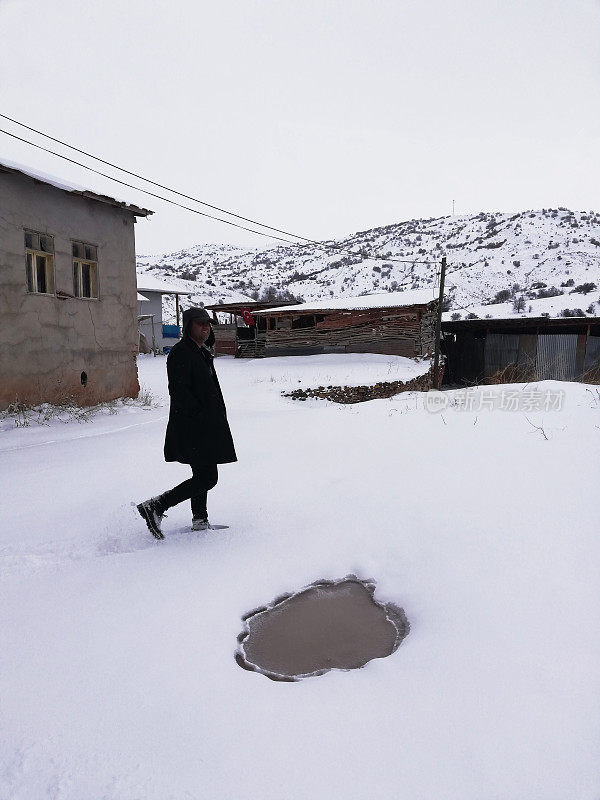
[47,342]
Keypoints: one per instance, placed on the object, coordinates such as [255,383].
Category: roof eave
[101,198]
[324,310]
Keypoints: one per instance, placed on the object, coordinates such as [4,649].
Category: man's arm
[179,371]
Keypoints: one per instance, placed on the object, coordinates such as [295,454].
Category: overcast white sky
[319,116]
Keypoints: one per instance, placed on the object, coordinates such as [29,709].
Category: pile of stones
[359,394]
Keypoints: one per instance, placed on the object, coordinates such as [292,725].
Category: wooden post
[177,308]
[438,327]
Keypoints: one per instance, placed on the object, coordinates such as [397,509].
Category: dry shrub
[592,375]
[513,373]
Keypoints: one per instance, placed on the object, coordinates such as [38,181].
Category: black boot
[153,512]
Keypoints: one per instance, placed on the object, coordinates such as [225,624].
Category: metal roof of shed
[516,323]
[366,302]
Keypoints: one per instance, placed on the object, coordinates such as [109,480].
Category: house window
[85,270]
[39,262]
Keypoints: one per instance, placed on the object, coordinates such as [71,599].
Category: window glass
[50,274]
[30,286]
[46,244]
[40,266]
[76,279]
[28,239]
[77,249]
[93,281]
[90,252]
[85,280]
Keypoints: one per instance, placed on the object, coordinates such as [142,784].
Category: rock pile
[359,394]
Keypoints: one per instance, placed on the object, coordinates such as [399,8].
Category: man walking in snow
[197,432]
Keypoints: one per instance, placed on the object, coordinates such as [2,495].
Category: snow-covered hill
[535,260]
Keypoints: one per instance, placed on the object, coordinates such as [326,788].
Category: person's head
[196,324]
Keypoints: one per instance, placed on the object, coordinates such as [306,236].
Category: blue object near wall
[171,332]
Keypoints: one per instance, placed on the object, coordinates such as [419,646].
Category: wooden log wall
[408,331]
[225,336]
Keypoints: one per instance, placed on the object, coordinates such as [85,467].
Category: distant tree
[519,304]
[551,291]
[187,275]
[273,295]
[584,288]
[502,296]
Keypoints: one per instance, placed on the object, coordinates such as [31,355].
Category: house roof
[43,177]
[414,297]
[250,305]
[146,283]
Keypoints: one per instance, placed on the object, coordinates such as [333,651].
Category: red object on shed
[247,317]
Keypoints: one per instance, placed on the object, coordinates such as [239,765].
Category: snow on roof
[414,297]
[146,283]
[73,188]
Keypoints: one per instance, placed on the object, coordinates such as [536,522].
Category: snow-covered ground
[117,674]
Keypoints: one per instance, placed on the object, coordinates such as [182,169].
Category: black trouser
[204,477]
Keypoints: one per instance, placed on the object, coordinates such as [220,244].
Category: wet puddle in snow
[328,625]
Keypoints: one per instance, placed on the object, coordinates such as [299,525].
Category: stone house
[68,296]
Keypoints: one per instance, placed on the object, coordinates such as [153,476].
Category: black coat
[198,431]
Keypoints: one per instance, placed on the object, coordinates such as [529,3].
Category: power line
[137,188]
[321,245]
[154,183]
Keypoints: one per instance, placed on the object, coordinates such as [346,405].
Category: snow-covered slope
[538,252]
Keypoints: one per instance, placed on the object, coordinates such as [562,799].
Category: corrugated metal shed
[501,349]
[522,349]
[556,356]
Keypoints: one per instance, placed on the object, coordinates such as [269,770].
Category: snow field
[117,670]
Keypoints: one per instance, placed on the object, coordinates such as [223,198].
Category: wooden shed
[236,331]
[396,323]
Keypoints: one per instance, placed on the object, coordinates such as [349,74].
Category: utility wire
[154,183]
[152,194]
[324,246]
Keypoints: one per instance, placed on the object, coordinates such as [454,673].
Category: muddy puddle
[327,625]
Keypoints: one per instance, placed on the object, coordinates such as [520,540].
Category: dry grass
[592,375]
[23,415]
[513,373]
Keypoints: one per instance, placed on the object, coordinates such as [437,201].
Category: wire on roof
[322,245]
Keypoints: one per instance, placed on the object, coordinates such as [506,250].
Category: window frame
[78,263]
[31,267]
